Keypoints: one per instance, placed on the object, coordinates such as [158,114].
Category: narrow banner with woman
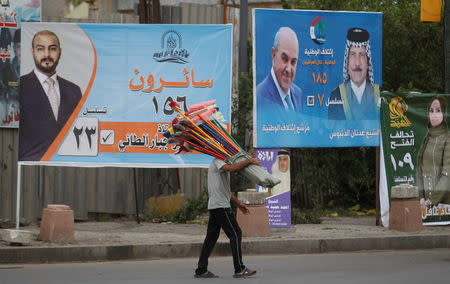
[416,147]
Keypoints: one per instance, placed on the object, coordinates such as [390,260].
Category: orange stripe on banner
[54,146]
[133,137]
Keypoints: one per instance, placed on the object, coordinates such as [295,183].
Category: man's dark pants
[221,218]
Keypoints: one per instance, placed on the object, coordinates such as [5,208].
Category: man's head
[358,61]
[285,57]
[283,161]
[280,170]
[46,51]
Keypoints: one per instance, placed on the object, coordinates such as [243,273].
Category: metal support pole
[377,188]
[136,196]
[19,167]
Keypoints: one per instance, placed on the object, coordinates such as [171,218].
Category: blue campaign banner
[317,78]
[13,13]
[115,85]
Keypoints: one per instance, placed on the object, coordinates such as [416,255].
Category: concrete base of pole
[17,236]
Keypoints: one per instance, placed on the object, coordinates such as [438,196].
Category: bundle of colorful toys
[201,129]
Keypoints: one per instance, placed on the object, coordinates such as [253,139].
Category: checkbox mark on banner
[107,137]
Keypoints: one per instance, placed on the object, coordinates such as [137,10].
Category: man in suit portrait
[277,91]
[357,97]
[46,99]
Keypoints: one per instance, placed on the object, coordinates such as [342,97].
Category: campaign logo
[317,30]
[398,109]
[172,49]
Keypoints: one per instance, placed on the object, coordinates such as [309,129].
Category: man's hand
[239,204]
[243,208]
[254,161]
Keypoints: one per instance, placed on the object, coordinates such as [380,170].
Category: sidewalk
[102,241]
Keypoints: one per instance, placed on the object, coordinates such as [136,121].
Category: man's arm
[239,204]
[239,166]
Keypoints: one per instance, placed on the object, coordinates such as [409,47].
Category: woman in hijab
[434,158]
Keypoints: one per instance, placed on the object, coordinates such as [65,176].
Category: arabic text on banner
[128,75]
[327,111]
[416,147]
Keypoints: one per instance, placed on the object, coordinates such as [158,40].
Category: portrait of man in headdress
[281,170]
[357,97]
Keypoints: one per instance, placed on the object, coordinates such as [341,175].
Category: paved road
[409,267]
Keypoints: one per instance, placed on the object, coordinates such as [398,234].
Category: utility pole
[447,46]
[143,12]
[243,33]
[156,12]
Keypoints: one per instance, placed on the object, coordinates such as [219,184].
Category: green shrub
[153,216]
[309,216]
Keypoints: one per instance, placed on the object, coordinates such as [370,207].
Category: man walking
[221,216]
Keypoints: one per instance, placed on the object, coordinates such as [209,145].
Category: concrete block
[404,190]
[405,215]
[17,236]
[255,224]
[57,224]
[252,197]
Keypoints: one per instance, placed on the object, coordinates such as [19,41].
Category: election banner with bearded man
[317,78]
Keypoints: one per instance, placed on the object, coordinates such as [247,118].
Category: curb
[266,247]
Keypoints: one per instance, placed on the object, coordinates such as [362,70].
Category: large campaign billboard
[317,78]
[99,94]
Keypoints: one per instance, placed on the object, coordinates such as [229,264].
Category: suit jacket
[268,97]
[38,127]
[348,107]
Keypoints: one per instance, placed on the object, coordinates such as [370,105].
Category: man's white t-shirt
[218,185]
